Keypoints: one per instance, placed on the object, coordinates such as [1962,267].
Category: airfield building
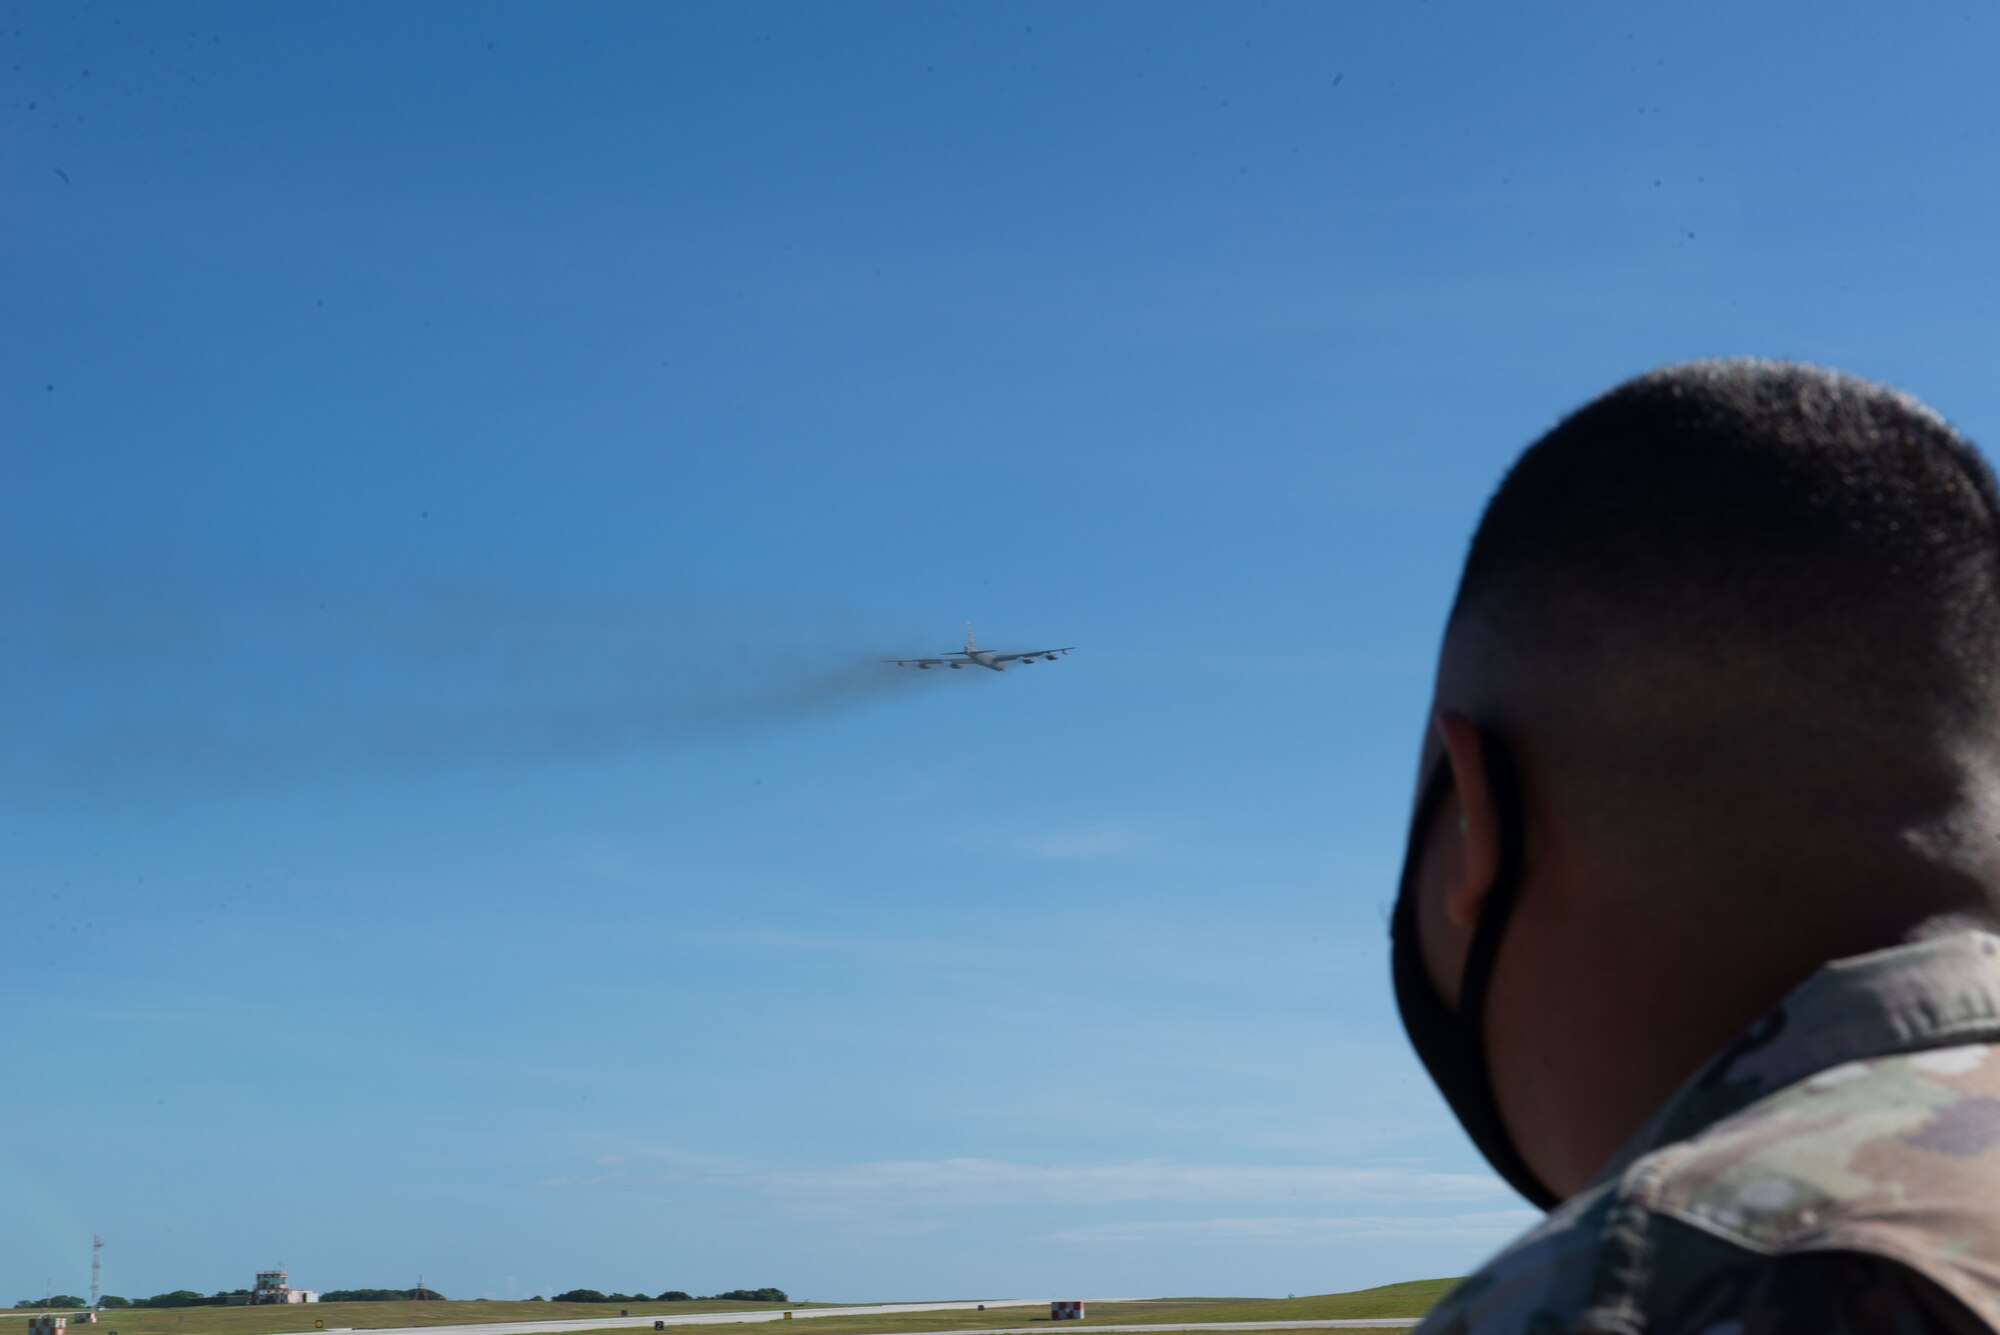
[275,1286]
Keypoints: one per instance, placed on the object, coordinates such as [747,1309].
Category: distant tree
[532,1298]
[178,1298]
[674,1296]
[579,1296]
[113,1300]
[755,1296]
[53,1300]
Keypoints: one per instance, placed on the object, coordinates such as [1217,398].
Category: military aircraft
[973,656]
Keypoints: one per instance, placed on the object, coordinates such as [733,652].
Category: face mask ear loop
[1452,1043]
[1503,784]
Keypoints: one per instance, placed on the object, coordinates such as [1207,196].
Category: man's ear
[1478,825]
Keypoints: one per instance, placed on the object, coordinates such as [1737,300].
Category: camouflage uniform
[1837,1168]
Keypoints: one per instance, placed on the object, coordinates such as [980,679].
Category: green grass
[1412,1298]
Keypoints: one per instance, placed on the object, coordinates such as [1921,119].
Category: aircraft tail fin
[969,645]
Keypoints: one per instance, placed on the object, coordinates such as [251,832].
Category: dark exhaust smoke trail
[265,690]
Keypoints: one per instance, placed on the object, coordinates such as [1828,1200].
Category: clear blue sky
[461,462]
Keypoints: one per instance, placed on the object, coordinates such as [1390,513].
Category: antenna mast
[96,1264]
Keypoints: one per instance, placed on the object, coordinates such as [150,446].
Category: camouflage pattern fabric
[1837,1168]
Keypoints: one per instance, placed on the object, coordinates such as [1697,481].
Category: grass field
[1412,1298]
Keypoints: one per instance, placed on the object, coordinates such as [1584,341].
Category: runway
[775,1313]
[800,1314]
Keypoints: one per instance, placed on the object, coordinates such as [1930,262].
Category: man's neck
[1593,1037]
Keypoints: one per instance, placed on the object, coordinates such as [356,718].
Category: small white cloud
[968,1181]
[1485,1225]
[1091,841]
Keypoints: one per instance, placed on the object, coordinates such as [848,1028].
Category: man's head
[1736,625]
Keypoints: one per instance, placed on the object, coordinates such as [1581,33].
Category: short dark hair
[1732,545]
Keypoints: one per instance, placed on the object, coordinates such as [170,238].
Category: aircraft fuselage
[973,656]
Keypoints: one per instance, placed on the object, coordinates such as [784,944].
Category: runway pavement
[713,1318]
[608,1322]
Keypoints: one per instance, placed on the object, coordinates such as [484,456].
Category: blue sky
[462,461]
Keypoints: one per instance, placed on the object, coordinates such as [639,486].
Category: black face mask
[1452,1045]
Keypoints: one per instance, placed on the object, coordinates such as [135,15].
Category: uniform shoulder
[1895,1157]
[1546,1272]
[1816,1293]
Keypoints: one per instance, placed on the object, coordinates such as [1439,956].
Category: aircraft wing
[1032,654]
[926,662]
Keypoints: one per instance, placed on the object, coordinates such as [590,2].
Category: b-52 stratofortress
[973,656]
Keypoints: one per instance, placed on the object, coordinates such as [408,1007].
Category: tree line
[179,1298]
[221,1297]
